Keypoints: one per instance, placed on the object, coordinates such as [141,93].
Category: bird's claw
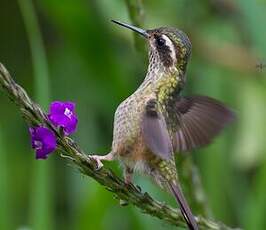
[98,161]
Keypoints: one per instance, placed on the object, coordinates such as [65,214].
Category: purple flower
[62,114]
[43,141]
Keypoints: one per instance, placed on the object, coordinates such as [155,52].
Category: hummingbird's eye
[160,41]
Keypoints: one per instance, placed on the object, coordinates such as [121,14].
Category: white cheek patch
[171,46]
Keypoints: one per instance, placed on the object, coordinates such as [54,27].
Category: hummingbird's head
[168,46]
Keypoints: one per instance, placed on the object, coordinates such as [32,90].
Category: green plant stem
[4,193]
[189,175]
[41,215]
[136,14]
[34,115]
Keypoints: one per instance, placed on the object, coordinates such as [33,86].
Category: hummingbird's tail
[185,210]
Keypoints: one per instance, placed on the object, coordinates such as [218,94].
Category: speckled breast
[127,124]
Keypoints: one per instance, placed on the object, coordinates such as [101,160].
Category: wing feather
[201,118]
[155,131]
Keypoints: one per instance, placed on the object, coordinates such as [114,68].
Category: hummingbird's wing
[201,119]
[155,131]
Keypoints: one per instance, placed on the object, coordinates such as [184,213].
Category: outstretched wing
[201,119]
[155,131]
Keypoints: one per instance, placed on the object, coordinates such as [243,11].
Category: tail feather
[186,212]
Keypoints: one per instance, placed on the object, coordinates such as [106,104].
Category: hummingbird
[156,121]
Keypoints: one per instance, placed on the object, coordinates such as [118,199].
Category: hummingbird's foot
[99,159]
[128,174]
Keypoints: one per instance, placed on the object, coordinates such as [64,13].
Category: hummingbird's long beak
[142,32]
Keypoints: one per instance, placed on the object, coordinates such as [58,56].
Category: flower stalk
[34,115]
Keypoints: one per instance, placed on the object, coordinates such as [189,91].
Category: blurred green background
[69,50]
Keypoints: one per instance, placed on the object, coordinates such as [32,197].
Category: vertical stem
[41,199]
[4,194]
[136,14]
[255,211]
[40,67]
[191,180]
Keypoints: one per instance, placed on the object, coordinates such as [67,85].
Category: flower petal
[59,119]
[41,154]
[71,126]
[56,107]
[62,114]
[70,105]
[43,141]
